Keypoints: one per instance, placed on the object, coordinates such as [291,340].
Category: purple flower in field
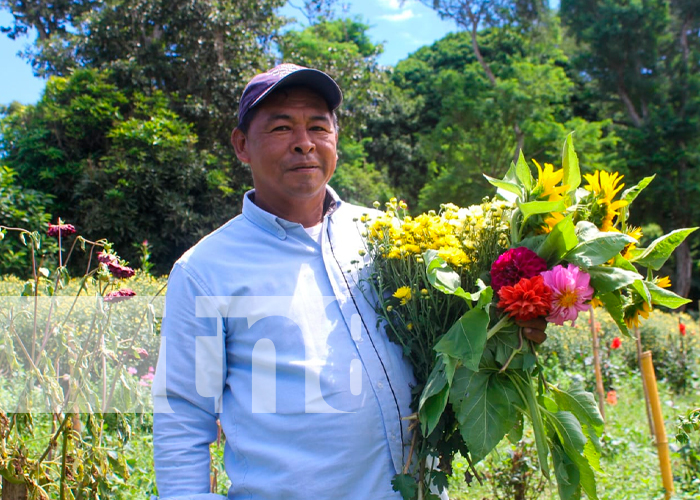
[106,258]
[119,295]
[60,228]
[571,291]
[131,370]
[119,271]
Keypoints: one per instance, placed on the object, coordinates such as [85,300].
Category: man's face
[290,147]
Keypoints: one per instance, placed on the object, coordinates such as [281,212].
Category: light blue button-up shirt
[268,332]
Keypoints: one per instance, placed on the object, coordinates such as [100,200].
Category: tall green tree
[342,48]
[200,54]
[120,165]
[642,61]
[467,122]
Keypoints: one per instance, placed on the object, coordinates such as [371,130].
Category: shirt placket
[369,347]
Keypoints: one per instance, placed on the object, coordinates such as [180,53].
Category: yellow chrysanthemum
[547,180]
[403,294]
[595,302]
[633,313]
[664,282]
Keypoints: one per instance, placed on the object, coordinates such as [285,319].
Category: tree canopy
[131,136]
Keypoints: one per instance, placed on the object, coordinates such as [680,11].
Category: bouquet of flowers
[454,287]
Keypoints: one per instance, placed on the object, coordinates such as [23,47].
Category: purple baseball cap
[284,75]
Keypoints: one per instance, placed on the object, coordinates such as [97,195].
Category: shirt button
[380,385]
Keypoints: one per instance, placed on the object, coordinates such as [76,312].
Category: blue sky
[402,30]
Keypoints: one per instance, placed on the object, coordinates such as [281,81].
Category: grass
[630,463]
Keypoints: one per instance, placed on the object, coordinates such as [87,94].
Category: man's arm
[184,420]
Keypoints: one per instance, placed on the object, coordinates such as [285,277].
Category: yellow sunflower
[636,233]
[633,312]
[605,186]
[547,180]
[664,282]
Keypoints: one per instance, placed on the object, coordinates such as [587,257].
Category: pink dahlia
[515,264]
[119,295]
[571,290]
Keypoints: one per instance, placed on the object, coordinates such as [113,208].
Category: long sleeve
[186,391]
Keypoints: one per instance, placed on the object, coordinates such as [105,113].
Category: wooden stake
[661,440]
[13,491]
[650,420]
[600,390]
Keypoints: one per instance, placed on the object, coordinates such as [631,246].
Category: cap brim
[312,78]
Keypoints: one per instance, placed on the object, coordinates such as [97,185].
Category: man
[267,330]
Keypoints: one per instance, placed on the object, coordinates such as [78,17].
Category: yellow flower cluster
[453,232]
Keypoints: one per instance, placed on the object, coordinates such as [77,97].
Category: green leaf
[485,295]
[537,424]
[569,161]
[570,434]
[522,171]
[561,239]
[466,339]
[662,297]
[483,404]
[540,207]
[614,305]
[608,279]
[581,404]
[444,278]
[586,230]
[506,189]
[631,193]
[598,250]
[591,451]
[623,263]
[406,485]
[642,290]
[567,473]
[439,479]
[656,254]
[433,399]
[439,273]
[515,434]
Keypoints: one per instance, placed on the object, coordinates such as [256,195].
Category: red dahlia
[119,271]
[120,295]
[515,264]
[527,299]
[60,228]
[106,258]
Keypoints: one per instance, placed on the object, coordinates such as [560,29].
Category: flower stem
[504,321]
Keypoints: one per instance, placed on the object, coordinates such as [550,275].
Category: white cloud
[401,16]
[391,4]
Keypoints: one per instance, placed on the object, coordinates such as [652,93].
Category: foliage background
[131,134]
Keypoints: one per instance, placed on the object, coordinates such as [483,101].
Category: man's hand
[534,329]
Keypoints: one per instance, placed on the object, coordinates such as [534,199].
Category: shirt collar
[277,225]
